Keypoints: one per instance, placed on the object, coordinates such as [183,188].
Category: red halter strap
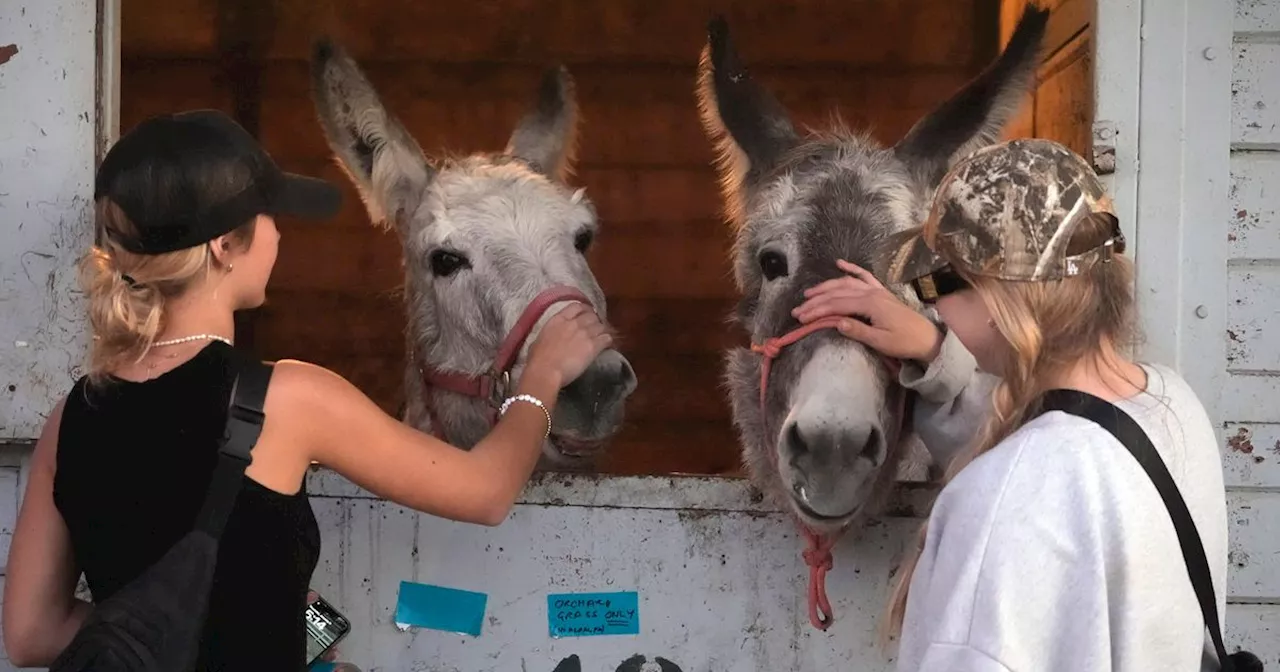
[491,386]
[817,554]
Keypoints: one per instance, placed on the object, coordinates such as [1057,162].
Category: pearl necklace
[188,339]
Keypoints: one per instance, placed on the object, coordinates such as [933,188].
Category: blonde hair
[128,292]
[1050,326]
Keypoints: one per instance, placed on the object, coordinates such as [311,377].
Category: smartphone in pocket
[325,626]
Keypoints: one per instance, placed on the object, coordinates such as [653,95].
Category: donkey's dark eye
[582,241]
[772,264]
[444,263]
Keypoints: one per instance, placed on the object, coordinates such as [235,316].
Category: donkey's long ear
[547,136]
[748,126]
[976,115]
[381,158]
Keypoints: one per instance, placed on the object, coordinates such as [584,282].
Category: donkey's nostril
[872,449]
[626,376]
[796,442]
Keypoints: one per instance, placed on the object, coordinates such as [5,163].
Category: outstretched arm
[41,611]
[341,428]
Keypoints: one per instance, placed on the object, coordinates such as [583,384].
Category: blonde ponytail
[128,292]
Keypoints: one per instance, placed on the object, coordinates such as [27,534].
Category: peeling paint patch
[7,52]
[1241,442]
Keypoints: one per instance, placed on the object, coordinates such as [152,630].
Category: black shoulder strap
[1127,432]
[244,425]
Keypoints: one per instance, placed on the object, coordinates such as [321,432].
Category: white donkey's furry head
[820,447]
[482,235]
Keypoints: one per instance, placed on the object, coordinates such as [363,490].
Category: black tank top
[134,462]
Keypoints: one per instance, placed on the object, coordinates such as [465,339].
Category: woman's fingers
[862,332]
[858,272]
[840,306]
[845,283]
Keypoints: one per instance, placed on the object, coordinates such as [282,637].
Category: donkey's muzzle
[591,407]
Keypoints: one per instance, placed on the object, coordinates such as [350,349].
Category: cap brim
[908,257]
[307,197]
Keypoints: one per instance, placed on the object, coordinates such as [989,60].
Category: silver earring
[231,267]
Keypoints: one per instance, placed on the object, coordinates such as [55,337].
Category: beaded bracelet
[532,400]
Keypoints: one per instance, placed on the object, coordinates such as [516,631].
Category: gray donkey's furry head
[482,236]
[798,204]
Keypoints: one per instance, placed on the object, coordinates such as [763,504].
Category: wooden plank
[1067,18]
[1254,627]
[1251,397]
[317,257]
[660,129]
[1255,101]
[1254,222]
[1255,16]
[1064,99]
[1253,318]
[1253,520]
[709,448]
[632,115]
[1251,455]
[537,31]
[678,387]
[667,259]
[373,323]
[622,196]
[151,88]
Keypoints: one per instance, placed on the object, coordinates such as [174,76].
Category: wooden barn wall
[1061,108]
[460,74]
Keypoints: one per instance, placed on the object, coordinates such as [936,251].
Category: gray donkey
[822,419]
[494,244]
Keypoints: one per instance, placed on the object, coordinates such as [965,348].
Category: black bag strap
[1127,432]
[244,425]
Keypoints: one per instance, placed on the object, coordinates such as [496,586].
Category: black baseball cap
[184,179]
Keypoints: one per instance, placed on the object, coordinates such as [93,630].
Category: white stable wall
[49,123]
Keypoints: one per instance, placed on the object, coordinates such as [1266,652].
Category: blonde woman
[187,236]
[1048,548]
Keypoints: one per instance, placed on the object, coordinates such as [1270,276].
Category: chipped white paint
[1253,316]
[1251,455]
[1254,533]
[1250,412]
[47,143]
[1254,223]
[1253,16]
[720,580]
[1257,629]
[1255,99]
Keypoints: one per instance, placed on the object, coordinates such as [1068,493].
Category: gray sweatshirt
[1053,551]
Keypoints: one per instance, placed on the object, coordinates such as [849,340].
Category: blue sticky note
[593,614]
[440,608]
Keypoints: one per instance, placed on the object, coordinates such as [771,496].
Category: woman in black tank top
[186,237]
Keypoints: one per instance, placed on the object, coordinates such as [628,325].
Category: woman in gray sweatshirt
[1048,548]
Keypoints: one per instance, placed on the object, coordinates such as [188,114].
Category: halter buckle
[500,384]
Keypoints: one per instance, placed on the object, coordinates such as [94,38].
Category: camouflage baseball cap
[1008,211]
